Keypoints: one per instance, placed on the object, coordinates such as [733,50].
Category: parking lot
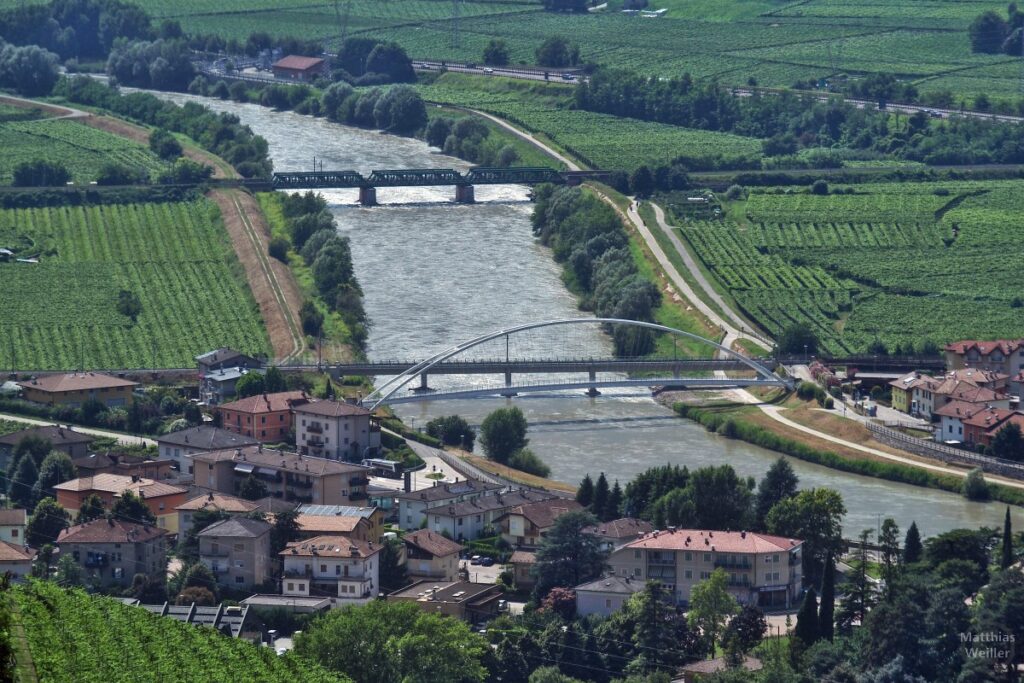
[480,574]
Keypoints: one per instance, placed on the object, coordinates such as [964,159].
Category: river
[435,273]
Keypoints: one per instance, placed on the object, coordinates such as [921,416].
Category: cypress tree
[1007,558]
[601,493]
[826,614]
[614,508]
[912,549]
[806,629]
[585,493]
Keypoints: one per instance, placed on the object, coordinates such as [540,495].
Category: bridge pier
[592,391]
[423,388]
[368,196]
[464,194]
[508,383]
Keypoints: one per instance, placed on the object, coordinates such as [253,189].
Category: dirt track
[272,283]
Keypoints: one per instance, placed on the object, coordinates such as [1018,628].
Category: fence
[947,454]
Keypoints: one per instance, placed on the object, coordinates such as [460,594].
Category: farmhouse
[295,68]
[74,389]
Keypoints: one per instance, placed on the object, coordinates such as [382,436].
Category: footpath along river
[435,273]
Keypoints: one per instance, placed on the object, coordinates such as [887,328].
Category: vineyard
[61,313]
[79,638]
[82,149]
[600,140]
[899,263]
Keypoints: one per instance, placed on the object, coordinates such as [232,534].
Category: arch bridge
[492,353]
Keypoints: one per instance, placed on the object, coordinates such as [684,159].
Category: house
[1016,418]
[337,430]
[953,389]
[219,370]
[1005,356]
[296,68]
[470,519]
[763,570]
[17,559]
[990,379]
[264,417]
[913,393]
[12,526]
[696,671]
[429,555]
[160,498]
[349,526]
[74,389]
[220,502]
[412,505]
[951,417]
[237,551]
[605,596]
[75,444]
[373,515]
[179,445]
[470,602]
[112,551]
[619,532]
[233,621]
[525,524]
[289,603]
[522,562]
[128,466]
[332,566]
[288,476]
[979,423]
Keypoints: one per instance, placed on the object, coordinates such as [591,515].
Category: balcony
[295,573]
[96,560]
[729,564]
[739,582]
[358,481]
[357,495]
[315,428]
[314,442]
[300,483]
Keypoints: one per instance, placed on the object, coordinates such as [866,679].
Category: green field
[900,263]
[83,150]
[61,313]
[599,140]
[74,637]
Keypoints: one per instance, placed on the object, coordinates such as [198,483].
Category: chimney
[135,478]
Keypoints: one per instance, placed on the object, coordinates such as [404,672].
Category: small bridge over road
[428,177]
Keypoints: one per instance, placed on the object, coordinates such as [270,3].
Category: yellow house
[74,389]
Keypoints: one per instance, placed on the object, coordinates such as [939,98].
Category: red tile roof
[978,377]
[76,382]
[331,546]
[299,63]
[987,419]
[965,391]
[523,557]
[15,553]
[218,501]
[714,541]
[110,531]
[331,409]
[960,409]
[267,403]
[621,528]
[542,514]
[432,542]
[118,483]
[13,517]
[1007,346]
[329,524]
[1016,418]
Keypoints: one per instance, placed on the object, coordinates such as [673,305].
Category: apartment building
[180,445]
[332,566]
[237,551]
[337,430]
[412,505]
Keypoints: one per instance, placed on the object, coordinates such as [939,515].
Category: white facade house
[332,566]
[336,430]
[412,505]
[12,525]
[179,445]
[605,596]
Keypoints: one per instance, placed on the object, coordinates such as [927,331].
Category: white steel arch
[388,389]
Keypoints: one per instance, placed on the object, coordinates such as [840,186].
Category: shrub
[278,248]
[734,192]
[819,187]
[975,487]
[527,461]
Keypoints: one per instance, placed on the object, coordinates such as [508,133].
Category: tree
[961,544]
[391,60]
[249,384]
[858,587]
[1008,443]
[149,590]
[779,483]
[561,601]
[56,468]
[1001,611]
[452,430]
[550,674]
[798,339]
[601,493]
[286,529]
[912,548]
[744,632]
[112,173]
[806,630]
[188,545]
[29,70]
[393,574]
[69,573]
[312,319]
[567,556]
[164,144]
[1006,553]
[614,507]
[273,381]
[503,432]
[132,508]
[889,541]
[527,461]
[381,642]
[585,492]
[816,516]
[641,183]
[197,595]
[711,605]
[21,487]
[826,613]
[975,487]
[987,33]
[47,521]
[92,508]
[400,110]
[660,630]
[199,576]
[496,53]
[556,52]
[252,488]
[40,173]
[819,187]
[33,445]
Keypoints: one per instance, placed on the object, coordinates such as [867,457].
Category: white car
[488,70]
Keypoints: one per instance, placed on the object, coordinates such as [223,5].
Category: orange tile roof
[1007,346]
[331,546]
[339,524]
[109,531]
[297,62]
[965,391]
[1016,418]
[714,541]
[267,403]
[432,542]
[218,501]
[960,409]
[118,483]
[331,409]
[987,419]
[76,382]
[15,553]
[621,528]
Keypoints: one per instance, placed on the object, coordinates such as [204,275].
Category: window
[775,559]
[280,418]
[460,521]
[688,574]
[239,579]
[479,518]
[323,569]
[302,586]
[707,557]
[263,432]
[346,570]
[14,533]
[239,546]
[637,571]
[636,554]
[337,570]
[161,506]
[688,556]
[263,419]
[239,564]
[608,603]
[346,426]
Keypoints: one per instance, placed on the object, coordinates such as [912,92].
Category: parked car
[502,605]
[487,562]
[488,70]
[475,559]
